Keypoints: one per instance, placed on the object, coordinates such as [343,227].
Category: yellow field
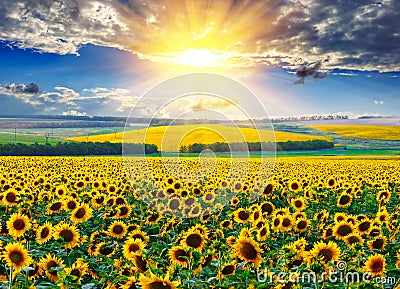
[169,139]
[70,221]
[376,132]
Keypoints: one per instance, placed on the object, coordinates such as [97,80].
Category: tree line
[258,146]
[75,149]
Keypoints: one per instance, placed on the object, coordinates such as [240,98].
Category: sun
[200,58]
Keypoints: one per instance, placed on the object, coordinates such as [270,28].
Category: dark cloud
[356,35]
[16,88]
[312,71]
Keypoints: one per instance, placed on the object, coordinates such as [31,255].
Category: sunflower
[105,249]
[81,214]
[138,234]
[226,224]
[54,207]
[78,269]
[44,233]
[235,201]
[299,204]
[18,224]
[294,186]
[364,226]
[48,263]
[35,273]
[123,211]
[286,223]
[354,238]
[378,243]
[133,247]
[301,224]
[154,282]
[153,218]
[227,269]
[193,239]
[16,256]
[68,233]
[231,240]
[141,263]
[241,216]
[344,200]
[130,284]
[375,265]
[276,223]
[342,229]
[70,203]
[327,252]
[340,217]
[179,256]
[174,204]
[117,229]
[263,233]
[248,250]
[10,198]
[382,216]
[98,201]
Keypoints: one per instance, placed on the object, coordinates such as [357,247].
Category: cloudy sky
[300,57]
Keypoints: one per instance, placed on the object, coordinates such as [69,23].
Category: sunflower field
[82,222]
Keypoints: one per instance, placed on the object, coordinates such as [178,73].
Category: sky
[298,57]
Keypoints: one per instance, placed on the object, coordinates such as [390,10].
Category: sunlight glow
[199,58]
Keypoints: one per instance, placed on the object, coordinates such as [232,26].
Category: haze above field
[298,57]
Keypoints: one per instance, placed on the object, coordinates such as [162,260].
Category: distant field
[373,132]
[171,138]
[26,139]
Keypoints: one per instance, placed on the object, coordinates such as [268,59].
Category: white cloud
[73,112]
[378,101]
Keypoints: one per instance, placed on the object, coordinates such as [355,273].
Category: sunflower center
[326,254]
[174,204]
[133,248]
[140,263]
[123,211]
[263,232]
[76,272]
[377,266]
[243,215]
[19,224]
[228,269]
[364,226]
[352,240]
[286,222]
[294,186]
[104,250]
[302,225]
[180,254]
[248,251]
[345,199]
[71,205]
[344,230]
[118,229]
[194,240]
[159,285]
[16,257]
[80,213]
[11,197]
[298,203]
[377,244]
[44,233]
[268,189]
[56,206]
[67,235]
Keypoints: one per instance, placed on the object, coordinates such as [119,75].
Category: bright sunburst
[199,58]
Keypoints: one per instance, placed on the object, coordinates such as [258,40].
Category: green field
[25,139]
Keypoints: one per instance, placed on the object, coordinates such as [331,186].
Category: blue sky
[84,64]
